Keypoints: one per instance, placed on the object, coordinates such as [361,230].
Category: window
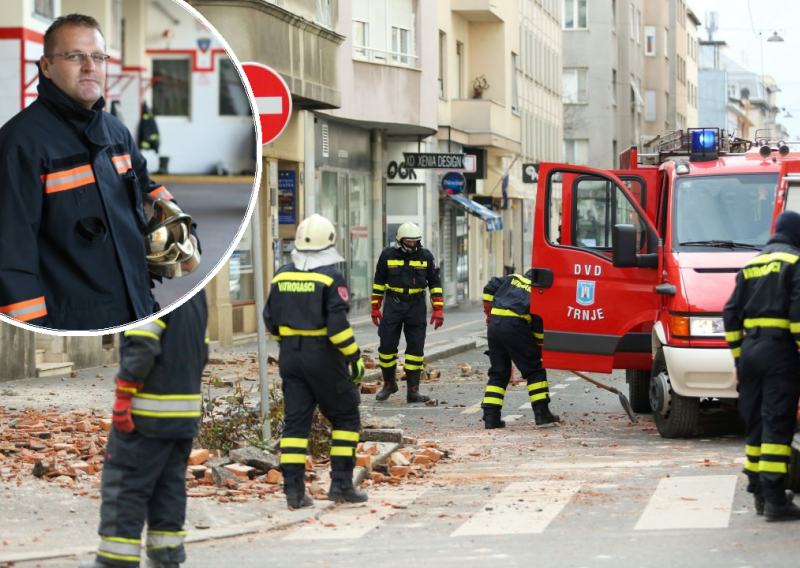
[115,28]
[599,206]
[631,21]
[613,15]
[514,95]
[650,106]
[44,8]
[650,41]
[323,14]
[171,87]
[666,43]
[575,14]
[442,66]
[232,96]
[360,39]
[460,69]
[637,29]
[666,108]
[401,44]
[614,87]
[574,89]
[576,151]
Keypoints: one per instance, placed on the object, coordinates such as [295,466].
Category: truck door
[788,195]
[588,305]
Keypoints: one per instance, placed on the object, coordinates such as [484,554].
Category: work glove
[123,421]
[357,371]
[376,309]
[437,317]
[487,309]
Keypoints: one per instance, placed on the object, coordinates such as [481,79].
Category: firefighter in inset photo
[515,336]
[403,273]
[156,415]
[320,362]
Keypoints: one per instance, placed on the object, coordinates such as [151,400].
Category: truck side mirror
[623,243]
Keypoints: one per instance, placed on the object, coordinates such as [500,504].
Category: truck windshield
[723,213]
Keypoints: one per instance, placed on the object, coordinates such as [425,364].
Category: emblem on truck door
[584,294]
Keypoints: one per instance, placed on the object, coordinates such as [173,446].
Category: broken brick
[363,460]
[241,471]
[198,457]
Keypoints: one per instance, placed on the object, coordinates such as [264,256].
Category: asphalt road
[595,491]
[219,210]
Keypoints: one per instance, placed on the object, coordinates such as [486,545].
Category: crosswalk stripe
[350,522]
[472,409]
[524,507]
[560,386]
[594,464]
[692,502]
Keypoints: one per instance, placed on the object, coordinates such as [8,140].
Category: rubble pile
[408,463]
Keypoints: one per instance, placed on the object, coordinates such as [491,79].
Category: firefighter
[403,272]
[762,327]
[515,336]
[73,184]
[156,414]
[307,311]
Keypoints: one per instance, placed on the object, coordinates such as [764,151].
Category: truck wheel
[639,390]
[676,416]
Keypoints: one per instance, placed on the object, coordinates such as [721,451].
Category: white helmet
[169,249]
[315,234]
[409,231]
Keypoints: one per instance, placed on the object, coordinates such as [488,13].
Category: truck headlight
[706,326]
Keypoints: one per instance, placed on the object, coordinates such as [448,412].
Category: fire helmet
[409,232]
[169,250]
[315,234]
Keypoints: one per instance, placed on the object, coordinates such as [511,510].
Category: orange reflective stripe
[123,163]
[161,191]
[69,179]
[27,310]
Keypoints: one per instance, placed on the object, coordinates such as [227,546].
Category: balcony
[478,10]
[488,124]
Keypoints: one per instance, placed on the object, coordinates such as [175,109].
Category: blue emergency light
[703,144]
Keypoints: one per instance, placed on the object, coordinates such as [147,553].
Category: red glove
[437,317]
[123,421]
[487,309]
[376,309]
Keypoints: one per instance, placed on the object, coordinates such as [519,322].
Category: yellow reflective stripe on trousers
[284,331]
[162,539]
[765,258]
[166,406]
[303,277]
[293,458]
[751,466]
[734,335]
[540,396]
[412,367]
[772,467]
[493,400]
[509,313]
[794,327]
[391,363]
[753,451]
[417,358]
[492,388]
[766,322]
[345,435]
[294,443]
[776,450]
[125,549]
[536,386]
[342,451]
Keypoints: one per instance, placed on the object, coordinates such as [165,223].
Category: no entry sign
[273,99]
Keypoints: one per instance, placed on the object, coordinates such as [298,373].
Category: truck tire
[639,390]
[683,412]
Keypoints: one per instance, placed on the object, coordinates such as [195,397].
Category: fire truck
[632,267]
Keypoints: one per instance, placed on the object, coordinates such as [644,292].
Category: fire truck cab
[632,267]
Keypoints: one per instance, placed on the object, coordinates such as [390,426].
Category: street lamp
[775,37]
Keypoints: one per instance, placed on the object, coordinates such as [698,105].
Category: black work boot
[389,385]
[299,500]
[777,513]
[492,421]
[760,501]
[543,416]
[158,564]
[296,495]
[342,491]
[412,384]
[94,564]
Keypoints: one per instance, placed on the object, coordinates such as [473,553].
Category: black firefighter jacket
[406,273]
[167,357]
[72,252]
[511,297]
[766,296]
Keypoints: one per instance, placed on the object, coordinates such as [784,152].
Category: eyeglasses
[78,57]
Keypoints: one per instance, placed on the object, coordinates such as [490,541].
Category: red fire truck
[632,267]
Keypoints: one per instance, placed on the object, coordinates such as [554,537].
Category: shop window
[44,8]
[240,269]
[232,96]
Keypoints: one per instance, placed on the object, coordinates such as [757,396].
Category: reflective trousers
[407,317]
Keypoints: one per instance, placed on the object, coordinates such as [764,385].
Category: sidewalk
[44,520]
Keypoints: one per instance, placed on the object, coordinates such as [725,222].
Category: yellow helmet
[314,234]
[169,250]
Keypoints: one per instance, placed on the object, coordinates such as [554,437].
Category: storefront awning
[494,221]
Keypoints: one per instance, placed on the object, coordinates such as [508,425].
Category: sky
[739,23]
